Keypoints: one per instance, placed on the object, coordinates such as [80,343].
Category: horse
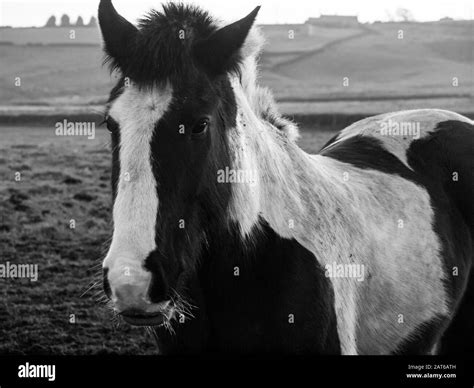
[229,238]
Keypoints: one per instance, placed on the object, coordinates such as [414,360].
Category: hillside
[304,69]
[377,63]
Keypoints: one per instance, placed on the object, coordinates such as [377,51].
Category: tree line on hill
[66,22]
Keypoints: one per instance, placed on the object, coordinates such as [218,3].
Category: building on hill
[334,21]
[446,20]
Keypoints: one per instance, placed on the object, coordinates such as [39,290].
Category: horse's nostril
[158,289]
[106,284]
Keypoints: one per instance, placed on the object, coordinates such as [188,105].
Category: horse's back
[437,144]
[397,130]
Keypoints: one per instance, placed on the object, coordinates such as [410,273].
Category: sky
[25,13]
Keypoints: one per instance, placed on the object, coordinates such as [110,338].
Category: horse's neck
[300,196]
[303,198]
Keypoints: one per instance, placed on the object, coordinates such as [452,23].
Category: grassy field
[378,65]
[53,75]
[72,35]
[62,178]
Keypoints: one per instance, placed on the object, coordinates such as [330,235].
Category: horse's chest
[276,301]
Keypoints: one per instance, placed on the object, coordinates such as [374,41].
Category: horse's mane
[267,109]
[260,98]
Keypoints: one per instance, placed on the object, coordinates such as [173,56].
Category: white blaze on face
[136,204]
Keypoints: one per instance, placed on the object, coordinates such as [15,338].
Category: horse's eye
[112,125]
[201,127]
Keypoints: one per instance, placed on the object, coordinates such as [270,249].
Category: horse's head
[168,117]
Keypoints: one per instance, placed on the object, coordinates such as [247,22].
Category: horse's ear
[118,33]
[220,52]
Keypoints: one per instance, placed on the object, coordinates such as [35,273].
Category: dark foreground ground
[63,179]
